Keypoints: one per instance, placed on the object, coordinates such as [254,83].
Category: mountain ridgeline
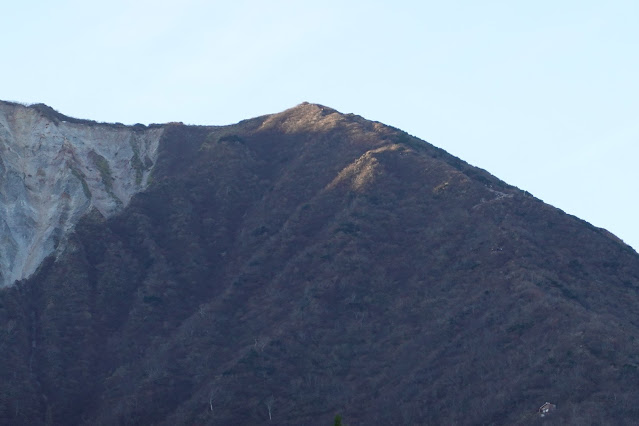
[304,264]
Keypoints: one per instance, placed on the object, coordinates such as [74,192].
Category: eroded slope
[52,171]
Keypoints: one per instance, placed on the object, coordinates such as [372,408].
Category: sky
[543,94]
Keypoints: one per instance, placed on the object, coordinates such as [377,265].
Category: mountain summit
[292,267]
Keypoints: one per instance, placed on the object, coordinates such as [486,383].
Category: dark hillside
[309,263]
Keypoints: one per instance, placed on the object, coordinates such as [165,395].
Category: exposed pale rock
[53,171]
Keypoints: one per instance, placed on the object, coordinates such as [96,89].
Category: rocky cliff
[53,169]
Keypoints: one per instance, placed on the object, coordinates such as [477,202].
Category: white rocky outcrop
[52,171]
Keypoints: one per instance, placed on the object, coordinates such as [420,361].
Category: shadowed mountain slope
[308,263]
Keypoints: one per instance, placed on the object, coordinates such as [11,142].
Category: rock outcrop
[54,169]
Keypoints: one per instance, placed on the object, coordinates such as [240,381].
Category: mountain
[300,265]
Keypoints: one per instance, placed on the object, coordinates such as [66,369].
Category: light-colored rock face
[53,173]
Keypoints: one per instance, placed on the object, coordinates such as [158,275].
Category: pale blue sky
[543,94]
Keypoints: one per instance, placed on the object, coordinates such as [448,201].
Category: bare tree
[202,311]
[212,396]
[269,406]
[260,344]
[215,395]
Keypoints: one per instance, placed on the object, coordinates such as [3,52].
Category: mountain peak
[304,117]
